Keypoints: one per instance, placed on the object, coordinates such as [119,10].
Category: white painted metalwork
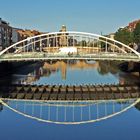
[89,46]
[72,112]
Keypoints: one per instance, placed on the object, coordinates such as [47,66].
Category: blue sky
[94,16]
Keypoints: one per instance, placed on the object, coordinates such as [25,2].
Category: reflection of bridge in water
[77,92]
[70,104]
[72,112]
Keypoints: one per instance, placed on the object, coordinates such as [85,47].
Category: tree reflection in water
[1,107]
[49,68]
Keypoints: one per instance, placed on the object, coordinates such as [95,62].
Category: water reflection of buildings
[31,77]
[63,66]
[48,68]
[128,79]
[51,67]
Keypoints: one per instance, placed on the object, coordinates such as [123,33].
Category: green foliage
[137,34]
[124,36]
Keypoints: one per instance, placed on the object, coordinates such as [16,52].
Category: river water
[92,117]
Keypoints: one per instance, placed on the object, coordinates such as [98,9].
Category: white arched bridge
[69,45]
[72,112]
[70,107]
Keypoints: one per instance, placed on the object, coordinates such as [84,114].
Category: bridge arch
[88,43]
[22,111]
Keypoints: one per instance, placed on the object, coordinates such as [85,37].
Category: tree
[137,34]
[124,36]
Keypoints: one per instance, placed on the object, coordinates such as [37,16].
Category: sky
[94,16]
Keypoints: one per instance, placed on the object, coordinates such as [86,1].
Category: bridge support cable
[41,105]
[57,111]
[65,113]
[73,113]
[106,50]
[105,109]
[89,112]
[97,111]
[89,45]
[24,107]
[49,111]
[113,108]
[81,113]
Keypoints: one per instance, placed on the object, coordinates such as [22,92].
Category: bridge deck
[35,56]
[61,92]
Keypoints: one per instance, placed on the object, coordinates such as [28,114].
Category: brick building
[132,25]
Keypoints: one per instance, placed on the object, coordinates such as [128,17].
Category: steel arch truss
[78,45]
[72,112]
